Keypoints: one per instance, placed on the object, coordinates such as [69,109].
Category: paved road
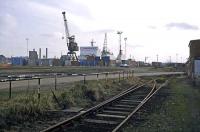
[50,82]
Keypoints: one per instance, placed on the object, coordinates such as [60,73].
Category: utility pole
[120,48]
[92,42]
[27,39]
[145,59]
[157,58]
[176,57]
[181,59]
[125,39]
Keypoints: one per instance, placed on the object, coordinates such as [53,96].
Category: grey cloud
[69,6]
[184,26]
[7,24]
[152,27]
[48,35]
[52,35]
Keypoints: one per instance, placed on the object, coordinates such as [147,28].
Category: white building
[90,51]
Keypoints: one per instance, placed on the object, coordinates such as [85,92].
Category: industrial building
[33,58]
[18,61]
[90,55]
[193,63]
[2,59]
[156,64]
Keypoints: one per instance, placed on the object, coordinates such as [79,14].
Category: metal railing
[56,76]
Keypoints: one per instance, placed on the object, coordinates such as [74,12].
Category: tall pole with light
[125,39]
[120,48]
[27,39]
[176,57]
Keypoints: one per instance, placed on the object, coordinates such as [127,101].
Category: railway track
[110,115]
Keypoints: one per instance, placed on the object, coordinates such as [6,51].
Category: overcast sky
[162,27]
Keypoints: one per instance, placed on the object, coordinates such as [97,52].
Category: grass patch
[28,108]
[179,112]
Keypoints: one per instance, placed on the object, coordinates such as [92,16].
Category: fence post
[10,86]
[28,84]
[55,81]
[106,76]
[97,76]
[39,88]
[84,81]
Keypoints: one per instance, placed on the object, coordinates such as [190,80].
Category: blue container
[91,63]
[83,62]
[18,61]
[97,58]
[106,60]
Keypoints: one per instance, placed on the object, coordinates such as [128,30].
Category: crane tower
[71,44]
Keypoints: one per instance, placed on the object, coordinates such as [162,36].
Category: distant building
[56,62]
[18,61]
[33,58]
[193,63]
[157,64]
[140,63]
[44,62]
[2,59]
[89,56]
[90,51]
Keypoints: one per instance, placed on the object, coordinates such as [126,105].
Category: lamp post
[120,49]
[125,39]
[27,39]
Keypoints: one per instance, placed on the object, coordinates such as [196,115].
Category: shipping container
[97,58]
[106,60]
[83,62]
[18,61]
[90,58]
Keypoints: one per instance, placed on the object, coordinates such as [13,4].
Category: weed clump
[161,80]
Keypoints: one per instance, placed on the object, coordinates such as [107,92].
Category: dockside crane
[71,44]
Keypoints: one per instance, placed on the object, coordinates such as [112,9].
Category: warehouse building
[193,63]
[2,59]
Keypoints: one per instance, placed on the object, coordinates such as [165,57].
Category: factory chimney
[39,53]
[46,53]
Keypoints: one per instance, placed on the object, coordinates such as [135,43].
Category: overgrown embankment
[179,111]
[26,112]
